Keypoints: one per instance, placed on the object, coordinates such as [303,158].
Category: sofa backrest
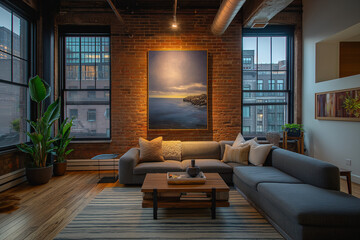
[308,170]
[200,150]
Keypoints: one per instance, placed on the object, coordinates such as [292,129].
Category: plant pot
[60,168]
[38,176]
[293,132]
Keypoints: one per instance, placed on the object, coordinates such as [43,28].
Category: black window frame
[272,31]
[81,31]
[26,12]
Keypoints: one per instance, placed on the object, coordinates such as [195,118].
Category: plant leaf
[52,113]
[39,89]
[68,151]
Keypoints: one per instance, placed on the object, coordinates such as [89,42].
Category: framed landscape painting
[343,105]
[177,90]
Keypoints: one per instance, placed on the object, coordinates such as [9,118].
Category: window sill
[10,150]
[91,141]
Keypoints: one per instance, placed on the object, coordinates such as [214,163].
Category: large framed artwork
[342,105]
[177,90]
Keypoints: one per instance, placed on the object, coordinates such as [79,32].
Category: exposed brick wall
[129,76]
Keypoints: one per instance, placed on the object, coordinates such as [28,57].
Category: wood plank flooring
[45,210]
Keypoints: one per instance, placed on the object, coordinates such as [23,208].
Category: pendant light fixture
[174,24]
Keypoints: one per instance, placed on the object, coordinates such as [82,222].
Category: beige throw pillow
[236,154]
[151,151]
[245,143]
[171,150]
[258,153]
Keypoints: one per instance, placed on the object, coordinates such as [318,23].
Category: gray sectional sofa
[299,195]
[208,155]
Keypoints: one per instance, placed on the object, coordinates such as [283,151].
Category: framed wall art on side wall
[342,105]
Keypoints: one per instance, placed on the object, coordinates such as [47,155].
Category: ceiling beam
[261,11]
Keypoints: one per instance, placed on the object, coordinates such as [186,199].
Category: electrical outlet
[348,162]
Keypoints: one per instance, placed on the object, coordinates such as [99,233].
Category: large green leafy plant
[41,135]
[62,141]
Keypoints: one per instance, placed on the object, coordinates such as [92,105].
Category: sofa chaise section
[300,196]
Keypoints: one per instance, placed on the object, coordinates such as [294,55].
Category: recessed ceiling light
[259,25]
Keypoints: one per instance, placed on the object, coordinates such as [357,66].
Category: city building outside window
[15,59]
[246,112]
[86,84]
[91,116]
[74,114]
[267,80]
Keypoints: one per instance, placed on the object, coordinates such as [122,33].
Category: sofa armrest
[127,163]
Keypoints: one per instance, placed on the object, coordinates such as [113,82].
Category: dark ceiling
[133,6]
[128,5]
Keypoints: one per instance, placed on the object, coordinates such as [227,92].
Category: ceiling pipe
[226,13]
[119,17]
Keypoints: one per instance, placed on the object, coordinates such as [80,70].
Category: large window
[86,88]
[267,80]
[14,75]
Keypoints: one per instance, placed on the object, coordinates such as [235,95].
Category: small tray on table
[184,178]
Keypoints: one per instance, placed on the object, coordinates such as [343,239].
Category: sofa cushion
[252,175]
[209,165]
[200,150]
[234,164]
[310,205]
[158,167]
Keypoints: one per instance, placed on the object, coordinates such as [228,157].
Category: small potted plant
[293,129]
[38,170]
[61,144]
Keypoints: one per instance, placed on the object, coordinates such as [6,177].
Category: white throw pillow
[245,143]
[258,153]
[239,140]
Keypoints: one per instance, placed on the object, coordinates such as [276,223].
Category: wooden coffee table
[156,184]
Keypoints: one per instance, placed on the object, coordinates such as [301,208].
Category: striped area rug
[116,213]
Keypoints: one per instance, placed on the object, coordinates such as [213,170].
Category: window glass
[14,75]
[246,111]
[13,110]
[87,86]
[265,76]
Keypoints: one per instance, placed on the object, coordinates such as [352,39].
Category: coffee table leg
[213,203]
[155,206]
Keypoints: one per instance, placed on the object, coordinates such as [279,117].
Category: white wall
[332,141]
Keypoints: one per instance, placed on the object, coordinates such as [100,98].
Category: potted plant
[37,170]
[61,144]
[293,129]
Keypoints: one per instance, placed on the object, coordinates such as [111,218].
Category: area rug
[116,213]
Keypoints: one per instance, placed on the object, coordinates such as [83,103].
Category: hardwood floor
[45,210]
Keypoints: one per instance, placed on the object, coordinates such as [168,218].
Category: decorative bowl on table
[185,178]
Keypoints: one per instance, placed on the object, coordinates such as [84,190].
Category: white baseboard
[355,178]
[94,165]
[12,179]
